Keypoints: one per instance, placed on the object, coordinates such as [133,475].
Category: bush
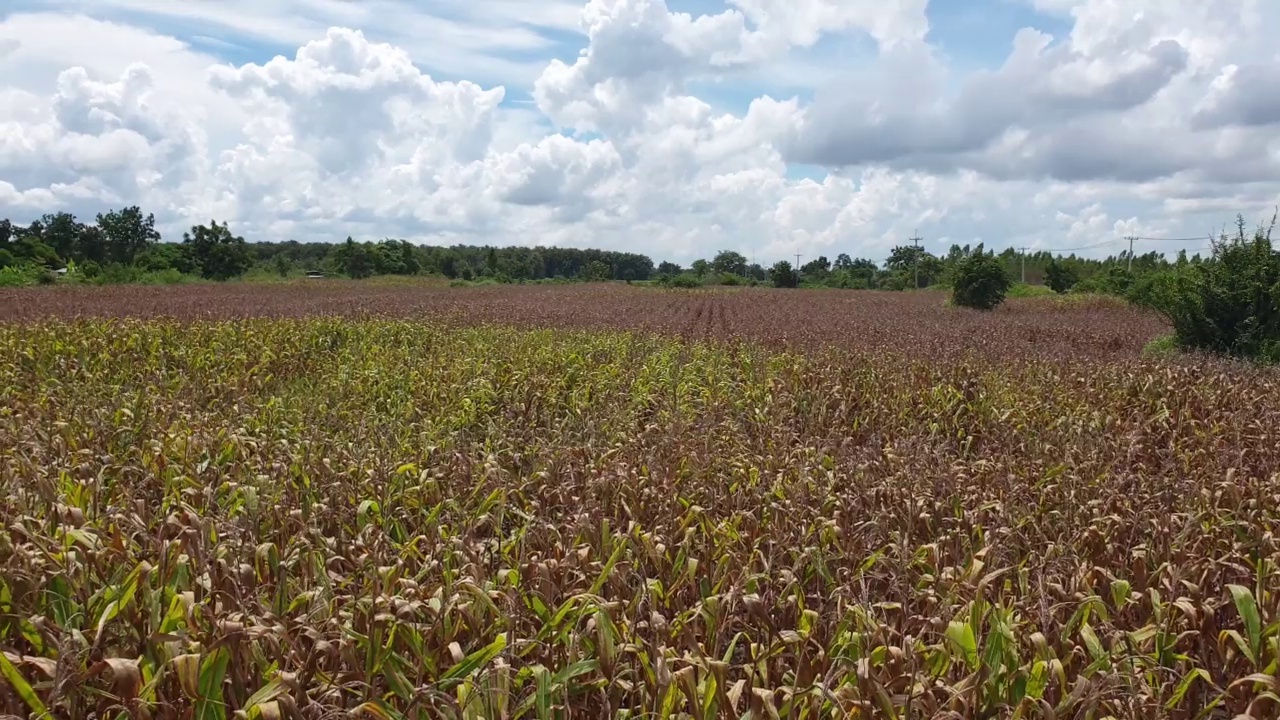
[1115,280]
[684,280]
[893,283]
[7,259]
[171,276]
[782,275]
[119,274]
[1161,347]
[88,270]
[596,271]
[21,275]
[980,281]
[1059,277]
[1228,304]
[1023,290]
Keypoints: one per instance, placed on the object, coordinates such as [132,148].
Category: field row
[298,517]
[915,324]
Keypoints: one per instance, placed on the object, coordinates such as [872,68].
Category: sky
[675,129]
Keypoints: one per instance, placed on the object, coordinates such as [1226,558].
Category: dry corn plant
[324,517]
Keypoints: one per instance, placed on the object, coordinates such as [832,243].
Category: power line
[1074,249]
[1152,239]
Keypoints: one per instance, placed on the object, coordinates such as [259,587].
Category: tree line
[124,246]
[912,266]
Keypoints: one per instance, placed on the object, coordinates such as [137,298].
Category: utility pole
[1024,266]
[797,268]
[916,240]
[1131,239]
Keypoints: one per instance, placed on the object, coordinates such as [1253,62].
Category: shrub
[20,275]
[980,281]
[1115,280]
[1059,277]
[89,270]
[169,276]
[684,280]
[119,274]
[1161,347]
[894,283]
[24,274]
[1023,290]
[782,275]
[1230,303]
[597,271]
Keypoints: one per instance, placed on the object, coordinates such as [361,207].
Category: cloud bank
[648,128]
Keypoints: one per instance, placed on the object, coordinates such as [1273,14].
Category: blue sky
[675,128]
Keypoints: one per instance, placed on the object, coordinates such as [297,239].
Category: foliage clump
[980,281]
[1227,304]
[783,275]
[1059,276]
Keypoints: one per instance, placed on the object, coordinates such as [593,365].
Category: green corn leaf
[1248,609]
[1092,642]
[474,661]
[964,642]
[1037,680]
[573,670]
[269,692]
[213,669]
[22,688]
[608,567]
[1183,687]
[1120,590]
[543,695]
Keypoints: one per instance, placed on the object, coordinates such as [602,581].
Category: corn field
[458,507]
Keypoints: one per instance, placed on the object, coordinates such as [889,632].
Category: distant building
[315,274]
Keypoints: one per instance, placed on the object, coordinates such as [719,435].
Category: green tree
[409,258]
[816,270]
[597,271]
[127,233]
[728,261]
[167,256]
[1228,303]
[30,248]
[980,281]
[1059,277]
[449,265]
[220,255]
[912,261]
[92,244]
[783,275]
[282,264]
[355,259]
[62,233]
[668,269]
[700,267]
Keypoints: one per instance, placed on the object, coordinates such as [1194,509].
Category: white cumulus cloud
[640,134]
